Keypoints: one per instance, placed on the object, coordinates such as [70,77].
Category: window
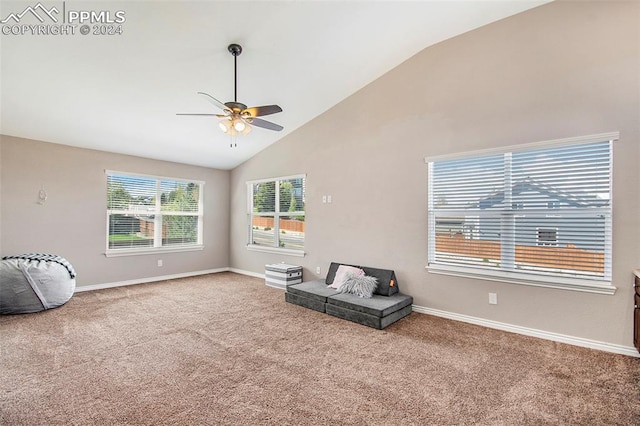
[276,214]
[537,214]
[148,214]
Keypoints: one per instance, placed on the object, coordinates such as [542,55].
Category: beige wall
[72,222]
[561,70]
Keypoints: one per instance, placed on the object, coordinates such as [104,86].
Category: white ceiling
[121,93]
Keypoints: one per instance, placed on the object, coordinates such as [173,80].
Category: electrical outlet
[318,270]
[159,263]
[493,298]
[328,198]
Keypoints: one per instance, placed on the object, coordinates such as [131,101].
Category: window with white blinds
[539,215]
[276,209]
[147,213]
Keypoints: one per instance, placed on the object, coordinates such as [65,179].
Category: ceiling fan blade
[266,124]
[214,101]
[212,115]
[259,111]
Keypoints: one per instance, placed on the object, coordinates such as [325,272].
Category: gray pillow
[360,285]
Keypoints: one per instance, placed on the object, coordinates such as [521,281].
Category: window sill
[575,284]
[284,251]
[151,250]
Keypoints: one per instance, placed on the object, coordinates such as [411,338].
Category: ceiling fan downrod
[235,50]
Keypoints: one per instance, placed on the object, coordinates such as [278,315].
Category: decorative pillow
[340,277]
[360,285]
[333,268]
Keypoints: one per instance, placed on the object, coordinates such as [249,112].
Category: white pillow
[360,285]
[341,277]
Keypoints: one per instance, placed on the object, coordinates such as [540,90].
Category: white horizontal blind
[541,211]
[277,217]
[147,212]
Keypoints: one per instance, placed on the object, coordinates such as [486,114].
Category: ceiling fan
[237,118]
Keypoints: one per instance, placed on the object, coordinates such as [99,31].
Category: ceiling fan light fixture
[238,124]
[225,125]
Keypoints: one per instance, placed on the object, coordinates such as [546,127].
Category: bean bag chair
[34,282]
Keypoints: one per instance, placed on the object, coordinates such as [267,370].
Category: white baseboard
[276,286]
[256,275]
[148,280]
[248,273]
[556,337]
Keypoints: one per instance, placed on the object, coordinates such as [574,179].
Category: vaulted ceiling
[121,92]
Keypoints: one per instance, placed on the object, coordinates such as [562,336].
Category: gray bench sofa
[386,306]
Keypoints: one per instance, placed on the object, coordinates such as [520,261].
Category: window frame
[550,280]
[277,214]
[157,240]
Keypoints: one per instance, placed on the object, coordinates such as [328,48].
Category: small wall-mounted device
[42,196]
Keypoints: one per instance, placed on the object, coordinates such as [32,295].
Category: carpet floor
[226,349]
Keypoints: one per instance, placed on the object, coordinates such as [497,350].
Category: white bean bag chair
[34,282]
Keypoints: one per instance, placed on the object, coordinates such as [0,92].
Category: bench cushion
[366,319]
[316,289]
[307,302]
[379,306]
[387,282]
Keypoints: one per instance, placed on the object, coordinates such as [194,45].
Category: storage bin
[281,275]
